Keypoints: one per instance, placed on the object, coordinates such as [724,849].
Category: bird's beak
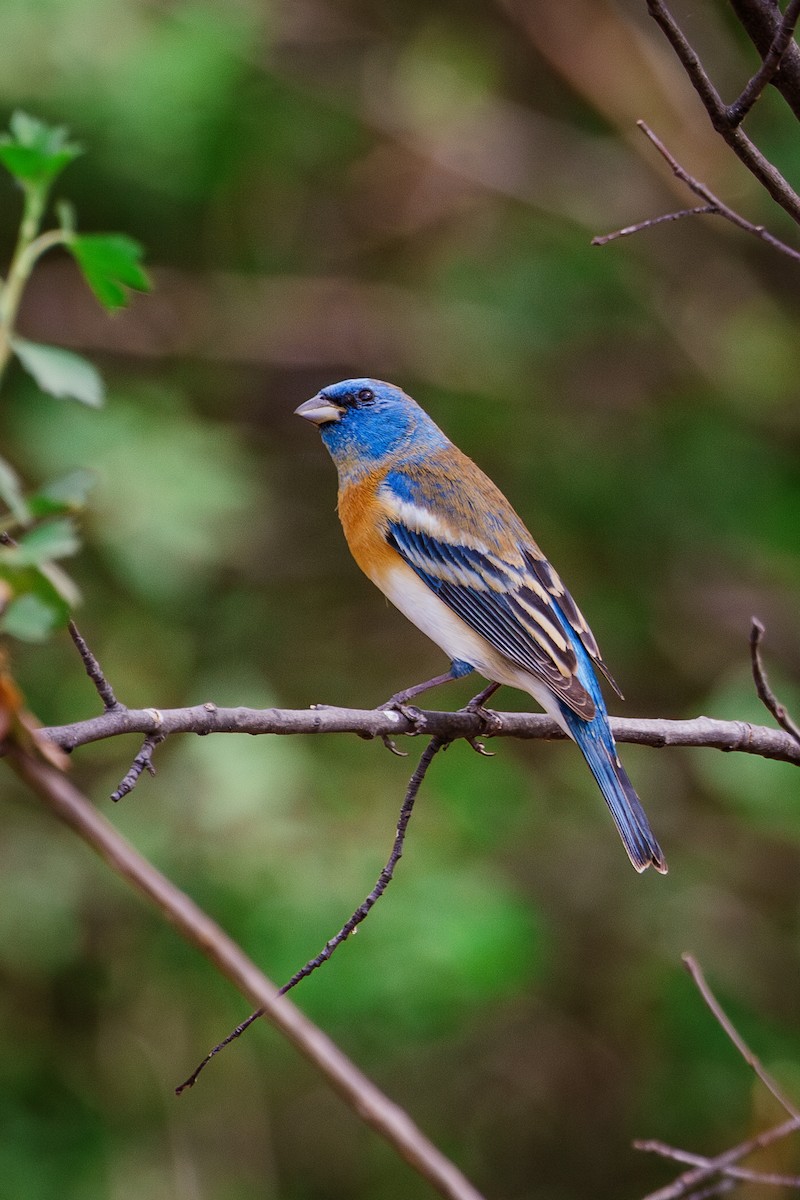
[319,410]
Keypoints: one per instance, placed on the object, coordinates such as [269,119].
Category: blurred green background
[333,188]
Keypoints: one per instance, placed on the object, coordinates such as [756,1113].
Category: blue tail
[597,746]
[596,743]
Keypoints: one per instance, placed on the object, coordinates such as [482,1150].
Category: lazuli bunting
[444,545]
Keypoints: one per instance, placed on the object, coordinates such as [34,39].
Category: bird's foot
[414,715]
[490,721]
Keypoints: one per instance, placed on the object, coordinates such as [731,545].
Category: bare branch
[384,879]
[713,206]
[688,1181]
[700,210]
[761,20]
[746,150]
[765,692]
[197,928]
[142,762]
[375,723]
[725,1023]
[706,1168]
[698,1160]
[771,62]
[94,670]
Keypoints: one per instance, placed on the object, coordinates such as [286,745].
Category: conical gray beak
[319,410]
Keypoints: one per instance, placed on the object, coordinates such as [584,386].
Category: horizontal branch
[380,723]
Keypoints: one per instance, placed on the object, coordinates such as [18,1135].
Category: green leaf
[11,493]
[52,539]
[35,153]
[111,263]
[60,372]
[30,618]
[65,495]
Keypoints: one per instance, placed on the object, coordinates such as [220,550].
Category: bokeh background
[331,188]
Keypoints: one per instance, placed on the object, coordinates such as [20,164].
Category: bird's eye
[366,396]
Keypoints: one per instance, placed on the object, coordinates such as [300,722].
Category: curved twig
[765,692]
[351,924]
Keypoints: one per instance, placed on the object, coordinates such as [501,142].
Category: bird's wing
[491,574]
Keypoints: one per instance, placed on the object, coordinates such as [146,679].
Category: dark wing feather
[501,602]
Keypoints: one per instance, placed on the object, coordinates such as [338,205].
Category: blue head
[364,420]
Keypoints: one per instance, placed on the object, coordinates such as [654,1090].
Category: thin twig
[771,62]
[765,692]
[698,1160]
[713,206]
[685,1183]
[197,928]
[746,151]
[142,762]
[720,1188]
[725,1023]
[700,210]
[94,670]
[383,881]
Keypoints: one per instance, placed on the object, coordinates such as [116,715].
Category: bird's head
[363,420]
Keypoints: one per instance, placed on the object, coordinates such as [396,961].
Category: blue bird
[441,541]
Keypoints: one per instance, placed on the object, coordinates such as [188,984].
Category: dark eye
[366,396]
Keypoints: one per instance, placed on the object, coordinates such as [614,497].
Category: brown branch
[94,670]
[765,692]
[142,762]
[649,222]
[771,62]
[698,1160]
[725,1023]
[375,723]
[383,881]
[689,1180]
[197,928]
[705,1168]
[745,150]
[713,206]
[761,20]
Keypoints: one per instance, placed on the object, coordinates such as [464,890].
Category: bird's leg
[399,701]
[490,720]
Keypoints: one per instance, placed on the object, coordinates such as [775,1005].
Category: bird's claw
[479,748]
[393,748]
[490,721]
[414,715]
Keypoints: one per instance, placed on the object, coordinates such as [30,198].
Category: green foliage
[111,263]
[35,153]
[60,372]
[38,595]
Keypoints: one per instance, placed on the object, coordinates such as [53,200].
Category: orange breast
[364,524]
